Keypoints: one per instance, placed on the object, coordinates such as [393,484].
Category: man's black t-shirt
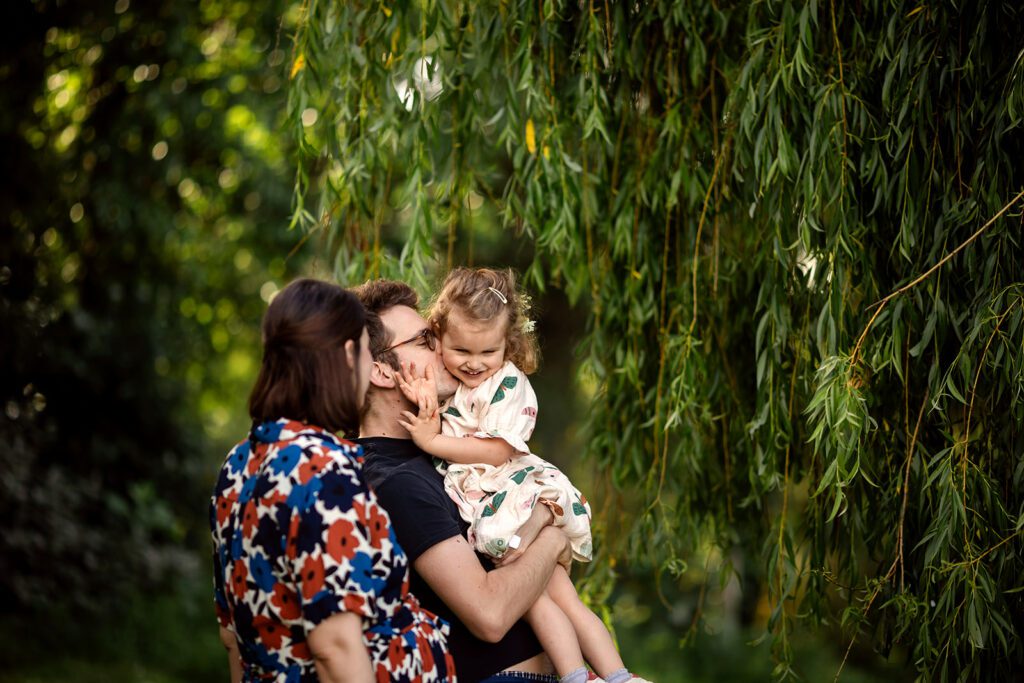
[423,515]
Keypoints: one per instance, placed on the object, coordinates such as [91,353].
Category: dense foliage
[143,192]
[796,227]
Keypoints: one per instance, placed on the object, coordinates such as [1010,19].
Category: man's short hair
[377,296]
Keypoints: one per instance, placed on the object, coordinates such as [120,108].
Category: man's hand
[540,518]
[421,391]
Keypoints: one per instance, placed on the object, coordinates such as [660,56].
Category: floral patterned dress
[299,537]
[497,501]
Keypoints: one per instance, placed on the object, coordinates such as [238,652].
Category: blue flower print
[236,544]
[362,574]
[238,457]
[285,460]
[338,490]
[262,573]
[247,490]
[320,606]
[269,432]
[268,537]
[304,496]
[224,556]
[310,534]
[224,481]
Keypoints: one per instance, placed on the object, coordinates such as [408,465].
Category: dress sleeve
[219,594]
[336,539]
[512,412]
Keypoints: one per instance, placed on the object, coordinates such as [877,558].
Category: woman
[309,580]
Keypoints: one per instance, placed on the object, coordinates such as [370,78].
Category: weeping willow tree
[797,229]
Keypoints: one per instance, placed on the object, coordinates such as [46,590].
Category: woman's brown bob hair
[304,374]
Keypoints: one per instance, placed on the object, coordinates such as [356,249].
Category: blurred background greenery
[146,202]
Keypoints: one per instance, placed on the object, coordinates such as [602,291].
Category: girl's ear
[382,375]
[350,354]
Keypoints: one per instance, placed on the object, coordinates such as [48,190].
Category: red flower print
[312,467]
[250,518]
[286,602]
[239,576]
[275,498]
[301,651]
[223,616]
[271,632]
[312,577]
[396,653]
[224,505]
[341,540]
[354,603]
[425,652]
[376,523]
[255,460]
[292,547]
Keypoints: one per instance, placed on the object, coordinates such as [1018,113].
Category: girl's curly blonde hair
[470,291]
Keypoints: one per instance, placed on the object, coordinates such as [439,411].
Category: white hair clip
[499,295]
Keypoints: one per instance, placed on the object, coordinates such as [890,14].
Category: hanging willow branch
[838,150]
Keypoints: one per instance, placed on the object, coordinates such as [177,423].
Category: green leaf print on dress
[520,475]
[496,547]
[578,509]
[507,383]
[453,411]
[493,506]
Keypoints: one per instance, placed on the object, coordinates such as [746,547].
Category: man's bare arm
[489,603]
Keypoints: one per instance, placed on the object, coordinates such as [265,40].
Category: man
[484,605]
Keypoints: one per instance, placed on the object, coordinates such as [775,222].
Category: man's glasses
[426,335]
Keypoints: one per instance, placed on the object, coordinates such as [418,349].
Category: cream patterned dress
[497,501]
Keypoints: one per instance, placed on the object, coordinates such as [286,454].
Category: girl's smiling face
[473,350]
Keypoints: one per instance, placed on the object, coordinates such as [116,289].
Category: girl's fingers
[424,404]
[408,416]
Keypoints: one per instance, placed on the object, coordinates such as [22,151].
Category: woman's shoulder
[305,440]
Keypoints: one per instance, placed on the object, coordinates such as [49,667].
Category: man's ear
[382,375]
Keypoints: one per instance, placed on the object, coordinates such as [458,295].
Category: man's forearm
[514,588]
[489,603]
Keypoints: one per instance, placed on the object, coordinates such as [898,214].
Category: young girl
[487,343]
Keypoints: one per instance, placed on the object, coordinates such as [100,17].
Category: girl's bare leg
[594,639]
[556,634]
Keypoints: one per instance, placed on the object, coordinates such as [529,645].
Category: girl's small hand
[422,427]
[426,423]
[415,387]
